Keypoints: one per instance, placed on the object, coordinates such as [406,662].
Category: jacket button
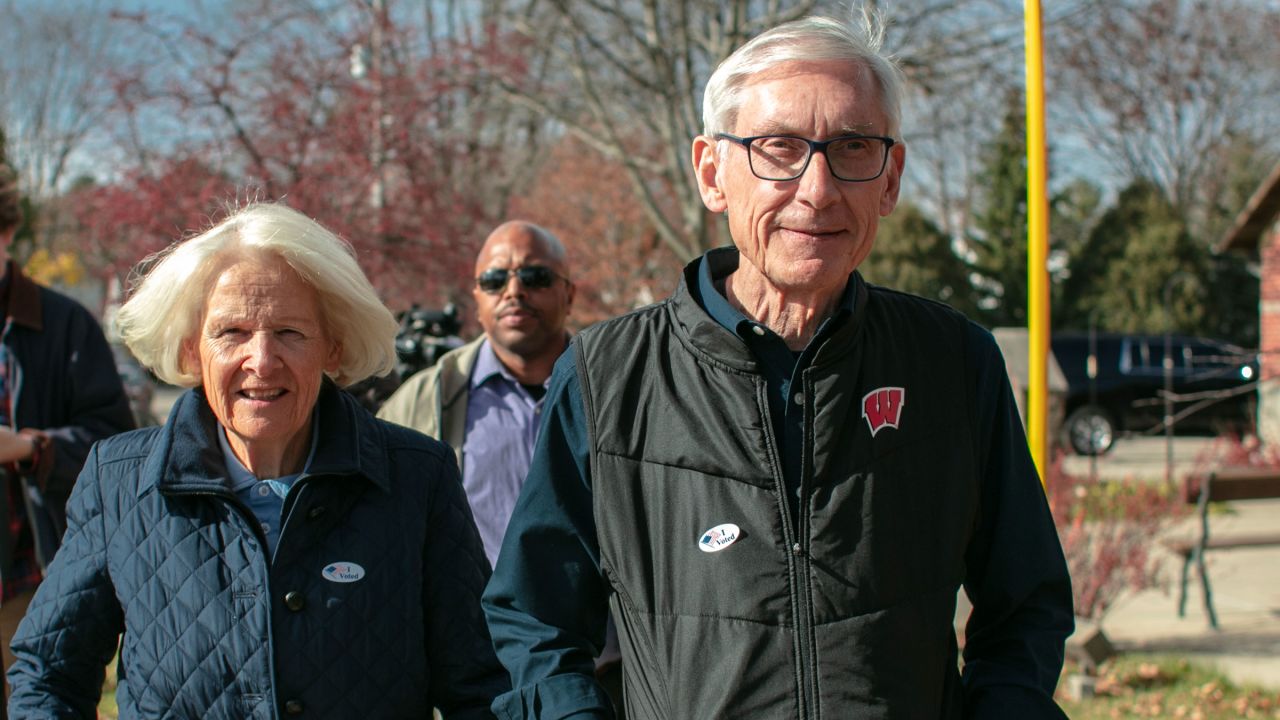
[295,602]
[315,512]
[293,707]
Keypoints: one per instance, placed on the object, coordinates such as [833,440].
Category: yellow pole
[1037,245]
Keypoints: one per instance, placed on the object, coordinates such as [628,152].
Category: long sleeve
[70,630]
[547,602]
[1017,576]
[70,400]
[465,674]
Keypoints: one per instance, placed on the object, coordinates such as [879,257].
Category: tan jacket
[434,401]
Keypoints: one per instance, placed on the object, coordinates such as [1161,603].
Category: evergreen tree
[913,255]
[1139,251]
[1233,288]
[1074,212]
[999,237]
[1232,295]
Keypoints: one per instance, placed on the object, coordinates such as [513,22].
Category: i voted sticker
[719,538]
[342,572]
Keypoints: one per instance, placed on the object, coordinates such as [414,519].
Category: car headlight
[1246,372]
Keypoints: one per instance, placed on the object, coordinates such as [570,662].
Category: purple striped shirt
[502,425]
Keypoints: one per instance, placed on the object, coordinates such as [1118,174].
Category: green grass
[107,706]
[1162,686]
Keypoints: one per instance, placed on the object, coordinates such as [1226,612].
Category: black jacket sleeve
[547,602]
[71,394]
[1017,576]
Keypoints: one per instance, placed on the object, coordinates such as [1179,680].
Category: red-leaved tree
[390,136]
[618,261]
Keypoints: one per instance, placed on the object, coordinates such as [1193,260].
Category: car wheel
[1090,430]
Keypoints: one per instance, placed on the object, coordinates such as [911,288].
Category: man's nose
[514,285]
[818,187]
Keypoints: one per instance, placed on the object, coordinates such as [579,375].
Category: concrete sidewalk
[1245,581]
[1144,458]
[1246,595]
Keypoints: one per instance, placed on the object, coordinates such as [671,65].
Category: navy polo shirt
[780,365]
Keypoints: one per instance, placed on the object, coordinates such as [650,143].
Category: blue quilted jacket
[370,608]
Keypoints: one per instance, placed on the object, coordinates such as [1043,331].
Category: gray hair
[167,305]
[810,39]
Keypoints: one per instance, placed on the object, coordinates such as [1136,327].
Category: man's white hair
[811,39]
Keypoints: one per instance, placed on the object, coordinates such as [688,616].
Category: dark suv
[1215,382]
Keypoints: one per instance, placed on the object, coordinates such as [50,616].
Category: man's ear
[706,164]
[893,178]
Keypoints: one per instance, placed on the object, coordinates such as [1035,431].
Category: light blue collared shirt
[265,497]
[502,425]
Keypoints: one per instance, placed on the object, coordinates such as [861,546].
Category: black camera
[424,336]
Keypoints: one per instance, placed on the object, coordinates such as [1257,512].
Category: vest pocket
[653,523]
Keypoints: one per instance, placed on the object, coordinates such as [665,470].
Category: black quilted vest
[846,612]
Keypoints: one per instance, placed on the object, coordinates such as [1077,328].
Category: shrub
[1108,529]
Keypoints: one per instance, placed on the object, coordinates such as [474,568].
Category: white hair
[167,305]
[810,39]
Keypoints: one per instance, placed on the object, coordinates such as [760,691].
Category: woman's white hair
[810,39]
[167,306]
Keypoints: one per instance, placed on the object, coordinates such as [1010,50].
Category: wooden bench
[1224,484]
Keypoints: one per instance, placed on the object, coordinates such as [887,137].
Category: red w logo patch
[882,408]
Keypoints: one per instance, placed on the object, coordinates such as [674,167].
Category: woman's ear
[189,357]
[333,360]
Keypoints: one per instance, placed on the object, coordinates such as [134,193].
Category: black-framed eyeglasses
[780,158]
[533,277]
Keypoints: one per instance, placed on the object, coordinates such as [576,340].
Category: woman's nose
[262,356]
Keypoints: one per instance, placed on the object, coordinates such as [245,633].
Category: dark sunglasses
[533,277]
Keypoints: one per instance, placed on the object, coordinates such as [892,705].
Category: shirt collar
[240,476]
[488,366]
[717,265]
[348,441]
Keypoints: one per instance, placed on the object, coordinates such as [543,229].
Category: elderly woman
[272,549]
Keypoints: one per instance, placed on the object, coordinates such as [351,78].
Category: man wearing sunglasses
[779,478]
[484,398]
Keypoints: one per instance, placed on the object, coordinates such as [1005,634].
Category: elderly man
[485,398]
[739,473]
